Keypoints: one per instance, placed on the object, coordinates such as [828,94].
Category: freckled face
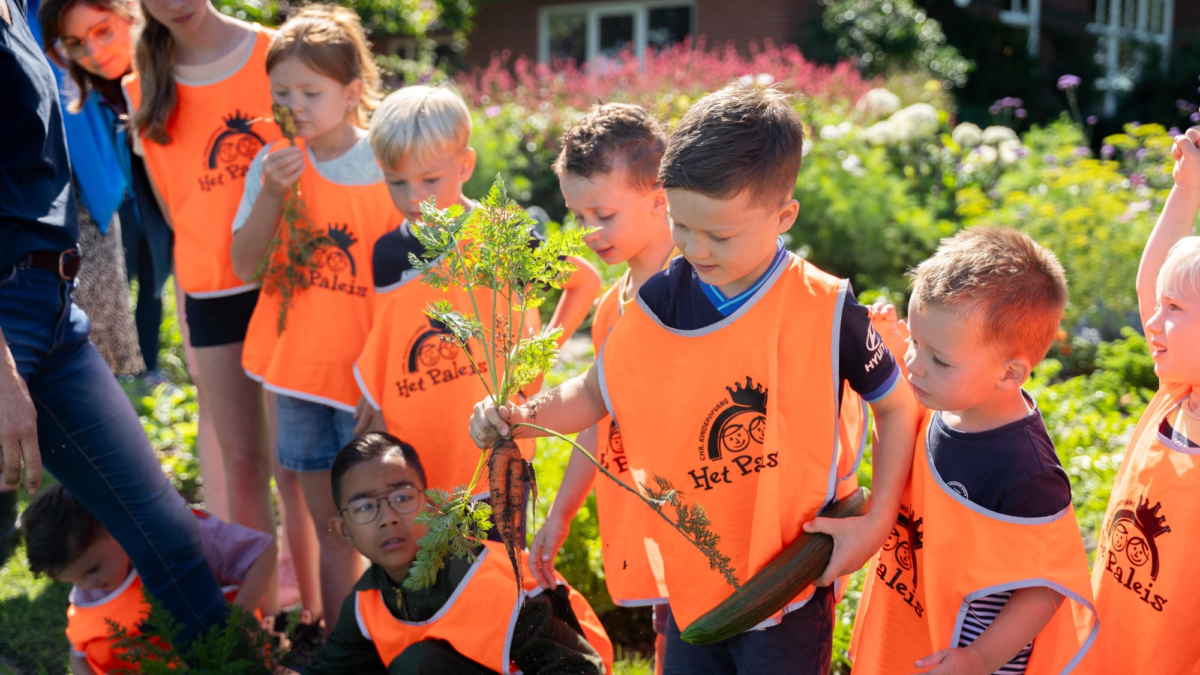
[103,565]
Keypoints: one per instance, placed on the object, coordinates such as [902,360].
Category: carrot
[509,476]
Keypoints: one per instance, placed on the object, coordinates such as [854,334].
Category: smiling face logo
[742,423]
[234,142]
[339,258]
[904,541]
[431,346]
[1133,533]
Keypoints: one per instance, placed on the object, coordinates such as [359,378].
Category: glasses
[101,35]
[365,510]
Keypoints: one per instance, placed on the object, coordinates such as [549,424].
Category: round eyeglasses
[365,510]
[101,34]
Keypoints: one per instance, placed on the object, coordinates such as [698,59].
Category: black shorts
[213,322]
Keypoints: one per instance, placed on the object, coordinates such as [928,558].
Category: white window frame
[593,11]
[1109,25]
[1025,14]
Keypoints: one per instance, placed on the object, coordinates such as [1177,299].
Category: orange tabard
[479,618]
[692,407]
[946,552]
[424,385]
[216,131]
[633,568]
[1145,593]
[328,322]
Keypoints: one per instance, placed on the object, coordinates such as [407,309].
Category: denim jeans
[802,644]
[92,441]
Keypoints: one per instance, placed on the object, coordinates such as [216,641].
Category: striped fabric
[980,614]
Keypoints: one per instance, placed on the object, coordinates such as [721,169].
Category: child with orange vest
[322,69]
[985,569]
[412,381]
[1146,596]
[688,370]
[608,172]
[472,620]
[65,541]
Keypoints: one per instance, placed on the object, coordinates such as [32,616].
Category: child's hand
[369,419]
[281,170]
[855,540]
[1187,160]
[489,424]
[544,549]
[964,661]
[894,331]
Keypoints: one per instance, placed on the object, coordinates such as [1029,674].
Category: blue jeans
[802,644]
[310,434]
[92,441]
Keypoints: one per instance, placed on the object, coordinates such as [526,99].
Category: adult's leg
[94,444]
[688,659]
[149,315]
[802,643]
[239,416]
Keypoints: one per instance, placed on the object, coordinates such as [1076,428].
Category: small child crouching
[471,620]
[986,547]
[65,541]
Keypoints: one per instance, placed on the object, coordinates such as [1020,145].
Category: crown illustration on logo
[239,121]
[342,236]
[914,530]
[750,396]
[1148,519]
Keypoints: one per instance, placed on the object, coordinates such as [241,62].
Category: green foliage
[456,526]
[889,35]
[692,522]
[390,17]
[33,614]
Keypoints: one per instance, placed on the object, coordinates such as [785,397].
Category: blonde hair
[1001,278]
[330,40]
[420,123]
[1180,273]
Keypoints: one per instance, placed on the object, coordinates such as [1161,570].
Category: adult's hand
[18,426]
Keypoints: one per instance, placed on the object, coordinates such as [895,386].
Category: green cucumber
[776,584]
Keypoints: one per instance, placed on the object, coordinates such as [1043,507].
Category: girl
[322,70]
[202,112]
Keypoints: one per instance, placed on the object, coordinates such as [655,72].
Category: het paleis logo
[331,263]
[897,567]
[731,437]
[433,359]
[229,150]
[613,457]
[1129,548]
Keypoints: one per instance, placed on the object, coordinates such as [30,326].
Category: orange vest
[946,552]
[692,407]
[216,131]
[328,322]
[1142,575]
[479,618]
[426,386]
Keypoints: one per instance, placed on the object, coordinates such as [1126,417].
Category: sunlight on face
[624,216]
[950,366]
[103,565]
[181,17]
[1172,334]
[97,40]
[390,540]
[729,242]
[319,103]
[440,176]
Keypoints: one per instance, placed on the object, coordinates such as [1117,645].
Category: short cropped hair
[57,530]
[743,137]
[419,122]
[1180,273]
[609,134]
[367,447]
[1015,289]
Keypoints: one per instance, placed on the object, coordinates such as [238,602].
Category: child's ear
[1016,372]
[659,200]
[468,165]
[338,525]
[787,215]
[353,95]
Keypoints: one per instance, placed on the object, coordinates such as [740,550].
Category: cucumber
[776,584]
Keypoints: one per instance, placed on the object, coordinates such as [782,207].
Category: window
[1025,14]
[582,32]
[1126,28]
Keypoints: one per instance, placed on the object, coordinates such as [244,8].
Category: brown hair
[741,137]
[57,530]
[330,40]
[1000,277]
[156,76]
[612,132]
[51,15]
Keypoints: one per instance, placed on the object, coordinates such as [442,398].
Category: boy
[1145,592]
[688,369]
[412,381]
[471,621]
[986,547]
[64,540]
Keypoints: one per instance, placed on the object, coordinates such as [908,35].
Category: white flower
[880,133]
[805,147]
[878,102]
[852,163]
[764,79]
[832,132]
[917,121]
[1011,152]
[996,135]
[967,135]
[985,154]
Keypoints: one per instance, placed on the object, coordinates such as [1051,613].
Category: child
[471,620]
[407,373]
[687,371]
[322,69]
[1145,594]
[986,548]
[608,172]
[64,540]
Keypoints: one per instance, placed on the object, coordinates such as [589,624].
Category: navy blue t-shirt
[678,298]
[37,205]
[1012,470]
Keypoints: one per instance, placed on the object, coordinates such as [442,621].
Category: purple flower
[1050,159]
[1137,179]
[1092,120]
[491,110]
[1081,152]
[1140,154]
[1021,113]
[1069,82]
[1173,132]
[1135,125]
[995,110]
[1195,117]
[1107,151]
[1018,102]
[1182,104]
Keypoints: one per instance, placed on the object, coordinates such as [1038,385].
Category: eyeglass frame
[386,498]
[83,46]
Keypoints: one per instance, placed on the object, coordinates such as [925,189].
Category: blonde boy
[986,547]
[1143,575]
[412,381]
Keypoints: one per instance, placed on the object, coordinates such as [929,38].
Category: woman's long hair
[51,14]
[155,66]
